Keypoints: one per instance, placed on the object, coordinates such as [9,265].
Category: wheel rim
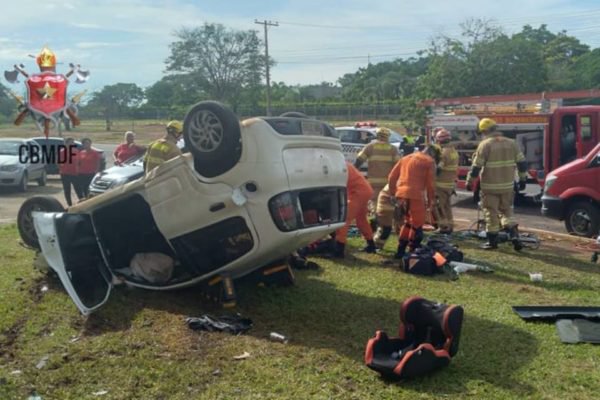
[580,222]
[205,131]
[27,221]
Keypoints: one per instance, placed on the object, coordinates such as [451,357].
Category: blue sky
[127,40]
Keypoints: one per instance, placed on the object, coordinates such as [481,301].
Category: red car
[572,194]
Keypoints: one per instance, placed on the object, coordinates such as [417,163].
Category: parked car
[572,193]
[354,138]
[17,170]
[119,175]
[246,196]
[51,146]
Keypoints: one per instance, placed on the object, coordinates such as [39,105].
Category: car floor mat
[578,331]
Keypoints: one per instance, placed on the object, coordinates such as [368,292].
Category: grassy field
[146,130]
[138,346]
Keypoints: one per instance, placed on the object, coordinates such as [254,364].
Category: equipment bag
[447,249]
[424,261]
[428,338]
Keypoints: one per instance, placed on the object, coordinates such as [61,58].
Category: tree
[7,104]
[173,91]
[114,100]
[227,64]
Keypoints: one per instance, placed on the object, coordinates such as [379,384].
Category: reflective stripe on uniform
[445,185]
[381,181]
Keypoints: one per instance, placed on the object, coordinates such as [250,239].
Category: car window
[348,136]
[10,147]
[365,137]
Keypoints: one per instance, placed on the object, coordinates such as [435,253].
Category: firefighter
[495,160]
[359,192]
[444,183]
[164,149]
[411,179]
[382,157]
[385,217]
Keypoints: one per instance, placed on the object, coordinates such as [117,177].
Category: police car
[354,138]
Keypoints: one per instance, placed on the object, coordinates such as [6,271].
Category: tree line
[219,63]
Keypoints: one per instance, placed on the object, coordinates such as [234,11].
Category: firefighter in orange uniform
[411,179]
[359,192]
[444,183]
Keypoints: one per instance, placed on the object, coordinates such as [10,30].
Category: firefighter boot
[415,243]
[370,248]
[492,242]
[514,236]
[339,250]
[381,236]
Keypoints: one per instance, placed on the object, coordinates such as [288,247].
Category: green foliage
[222,62]
[7,104]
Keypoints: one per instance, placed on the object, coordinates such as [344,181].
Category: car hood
[572,166]
[8,160]
[119,172]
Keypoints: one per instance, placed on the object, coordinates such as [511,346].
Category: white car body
[228,224]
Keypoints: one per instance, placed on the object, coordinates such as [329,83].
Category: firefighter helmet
[442,136]
[175,127]
[383,133]
[486,125]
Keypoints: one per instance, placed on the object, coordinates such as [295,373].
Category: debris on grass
[242,356]
[16,372]
[277,337]
[42,363]
[216,372]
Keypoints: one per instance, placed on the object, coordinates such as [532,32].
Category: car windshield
[395,137]
[10,147]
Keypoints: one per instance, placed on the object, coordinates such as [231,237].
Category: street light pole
[266,24]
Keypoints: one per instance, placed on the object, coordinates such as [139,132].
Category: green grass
[138,346]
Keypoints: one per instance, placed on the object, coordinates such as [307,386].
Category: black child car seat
[428,339]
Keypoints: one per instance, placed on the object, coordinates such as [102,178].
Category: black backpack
[447,249]
[424,261]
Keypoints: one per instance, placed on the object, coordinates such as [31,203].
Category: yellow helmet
[486,124]
[175,126]
[383,133]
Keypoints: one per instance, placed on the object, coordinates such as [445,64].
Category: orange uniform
[411,178]
[359,192]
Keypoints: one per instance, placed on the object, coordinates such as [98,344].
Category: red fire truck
[549,134]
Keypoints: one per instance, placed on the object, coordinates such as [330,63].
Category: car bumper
[552,207]
[10,178]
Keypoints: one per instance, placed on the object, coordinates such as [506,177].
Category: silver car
[19,163]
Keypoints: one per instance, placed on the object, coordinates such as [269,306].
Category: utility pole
[266,24]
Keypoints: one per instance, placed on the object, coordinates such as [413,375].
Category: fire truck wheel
[211,132]
[583,219]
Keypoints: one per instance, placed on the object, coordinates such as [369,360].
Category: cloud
[94,45]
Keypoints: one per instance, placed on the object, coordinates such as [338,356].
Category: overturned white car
[248,195]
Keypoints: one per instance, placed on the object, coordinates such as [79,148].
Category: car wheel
[24,182]
[211,132]
[25,217]
[294,114]
[42,179]
[583,219]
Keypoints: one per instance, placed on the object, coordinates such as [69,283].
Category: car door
[36,166]
[68,242]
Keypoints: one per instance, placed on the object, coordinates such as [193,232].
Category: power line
[266,24]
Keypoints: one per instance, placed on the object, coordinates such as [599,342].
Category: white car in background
[16,166]
[246,196]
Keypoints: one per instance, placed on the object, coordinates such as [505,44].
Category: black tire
[583,219]
[211,132]
[294,114]
[42,180]
[25,219]
[24,181]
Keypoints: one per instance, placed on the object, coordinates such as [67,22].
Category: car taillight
[283,211]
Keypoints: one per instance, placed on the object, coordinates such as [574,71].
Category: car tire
[42,180]
[294,114]
[24,182]
[212,133]
[583,219]
[25,219]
